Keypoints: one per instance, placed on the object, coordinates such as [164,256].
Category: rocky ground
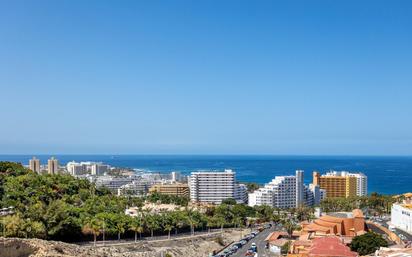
[196,247]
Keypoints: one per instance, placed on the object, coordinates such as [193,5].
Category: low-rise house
[346,224]
[276,241]
[329,246]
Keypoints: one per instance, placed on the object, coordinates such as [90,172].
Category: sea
[386,174]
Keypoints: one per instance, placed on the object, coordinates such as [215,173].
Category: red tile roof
[276,235]
[330,247]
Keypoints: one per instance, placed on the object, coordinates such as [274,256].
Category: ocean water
[386,175]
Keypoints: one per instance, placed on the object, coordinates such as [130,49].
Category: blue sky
[195,77]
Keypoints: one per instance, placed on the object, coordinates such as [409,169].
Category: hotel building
[214,186]
[34,165]
[52,166]
[98,169]
[283,192]
[171,189]
[341,183]
[401,214]
[81,168]
[135,188]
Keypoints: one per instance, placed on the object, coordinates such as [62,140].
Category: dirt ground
[193,247]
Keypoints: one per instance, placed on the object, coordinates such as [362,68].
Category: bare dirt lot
[196,247]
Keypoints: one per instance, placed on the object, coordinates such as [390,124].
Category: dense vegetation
[61,207]
[367,243]
[375,204]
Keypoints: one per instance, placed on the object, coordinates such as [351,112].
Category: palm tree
[136,226]
[275,218]
[238,221]
[121,224]
[152,223]
[220,221]
[289,226]
[168,223]
[168,228]
[210,222]
[178,219]
[92,226]
[191,219]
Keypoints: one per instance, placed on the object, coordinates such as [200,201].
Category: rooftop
[408,206]
[330,246]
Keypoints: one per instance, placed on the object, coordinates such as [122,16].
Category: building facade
[34,165]
[113,183]
[212,186]
[300,190]
[281,192]
[98,169]
[52,166]
[177,189]
[135,188]
[341,184]
[401,216]
[241,195]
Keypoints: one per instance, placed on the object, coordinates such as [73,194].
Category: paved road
[259,240]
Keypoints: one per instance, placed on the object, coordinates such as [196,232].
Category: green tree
[290,226]
[367,243]
[92,226]
[121,224]
[152,223]
[135,225]
[229,201]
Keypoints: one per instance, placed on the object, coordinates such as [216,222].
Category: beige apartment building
[52,166]
[34,165]
[177,189]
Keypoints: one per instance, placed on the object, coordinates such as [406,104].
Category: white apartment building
[213,186]
[300,194]
[361,181]
[99,169]
[82,168]
[136,188]
[113,183]
[75,168]
[281,192]
[241,193]
[262,196]
[401,216]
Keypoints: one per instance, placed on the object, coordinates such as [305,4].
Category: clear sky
[215,77]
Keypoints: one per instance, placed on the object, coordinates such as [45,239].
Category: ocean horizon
[386,174]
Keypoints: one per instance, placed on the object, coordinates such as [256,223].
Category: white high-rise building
[281,192]
[98,169]
[34,165]
[113,183]
[299,188]
[213,186]
[81,168]
[361,181]
[75,168]
[241,193]
[361,184]
[136,188]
